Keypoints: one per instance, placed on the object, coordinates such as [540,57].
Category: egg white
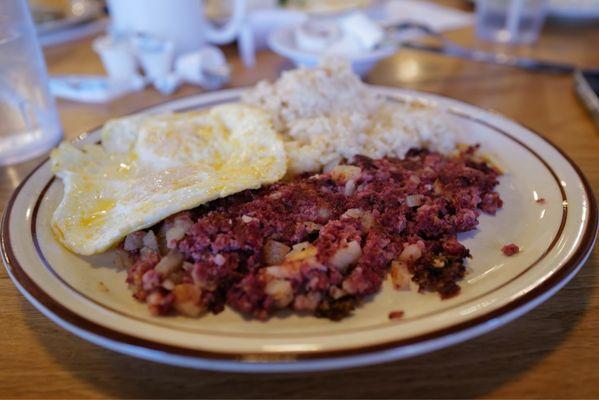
[150,167]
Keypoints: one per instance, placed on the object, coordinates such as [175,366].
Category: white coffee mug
[181,21]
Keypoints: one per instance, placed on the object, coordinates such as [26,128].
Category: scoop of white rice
[327,114]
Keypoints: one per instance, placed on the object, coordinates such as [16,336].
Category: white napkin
[206,67]
[348,35]
[121,56]
[365,31]
[92,88]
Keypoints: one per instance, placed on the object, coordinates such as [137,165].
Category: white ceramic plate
[88,295]
[282,42]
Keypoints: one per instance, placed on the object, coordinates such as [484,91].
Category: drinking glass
[29,124]
[510,21]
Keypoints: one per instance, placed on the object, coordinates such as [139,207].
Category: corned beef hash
[305,196]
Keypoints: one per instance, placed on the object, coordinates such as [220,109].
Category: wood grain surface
[551,352]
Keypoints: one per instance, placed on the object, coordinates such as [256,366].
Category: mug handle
[229,31]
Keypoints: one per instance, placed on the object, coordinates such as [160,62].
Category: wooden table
[552,351]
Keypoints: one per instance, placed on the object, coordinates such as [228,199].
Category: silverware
[451,48]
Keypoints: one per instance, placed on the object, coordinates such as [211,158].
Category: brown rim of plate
[158,321]
[67,316]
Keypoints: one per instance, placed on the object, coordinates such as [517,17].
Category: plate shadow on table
[470,369]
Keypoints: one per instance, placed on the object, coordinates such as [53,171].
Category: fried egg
[150,167]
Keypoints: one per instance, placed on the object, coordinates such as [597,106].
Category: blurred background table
[549,352]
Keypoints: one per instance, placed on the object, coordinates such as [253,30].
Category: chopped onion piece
[169,263]
[187,299]
[350,187]
[329,167]
[324,213]
[134,241]
[275,252]
[301,251]
[353,213]
[344,173]
[280,291]
[367,221]
[219,260]
[411,253]
[150,241]
[346,256]
[400,276]
[177,231]
[281,271]
[414,200]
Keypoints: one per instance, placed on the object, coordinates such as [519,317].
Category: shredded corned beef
[318,243]
[510,249]
[396,314]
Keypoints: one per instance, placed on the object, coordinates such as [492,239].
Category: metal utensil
[451,48]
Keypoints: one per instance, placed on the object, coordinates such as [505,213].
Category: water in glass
[29,122]
[510,21]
